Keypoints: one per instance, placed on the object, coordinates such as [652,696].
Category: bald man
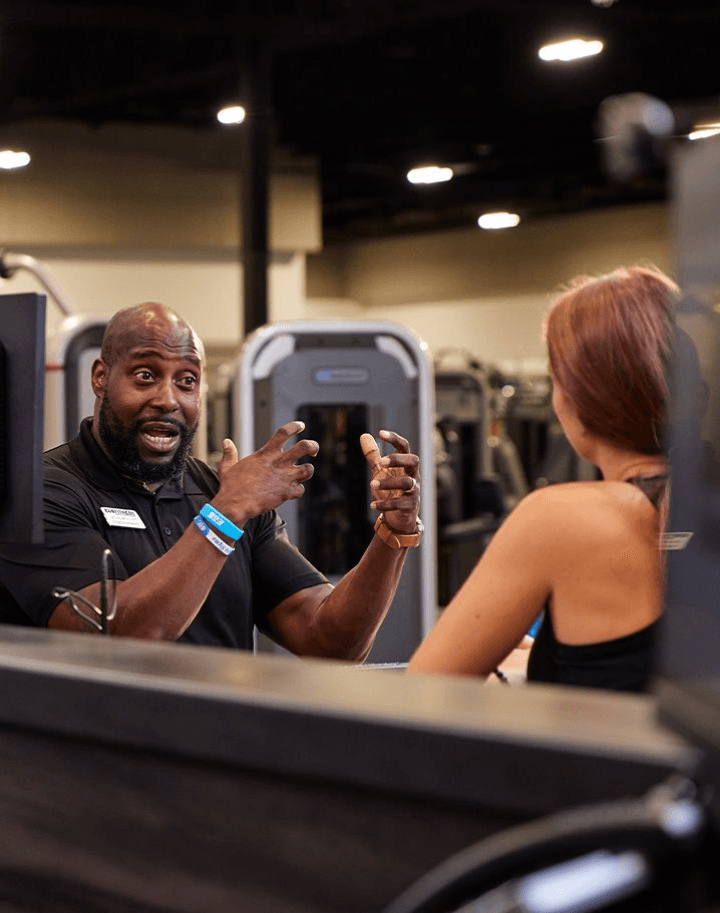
[197,556]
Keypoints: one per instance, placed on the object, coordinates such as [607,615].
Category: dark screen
[22,382]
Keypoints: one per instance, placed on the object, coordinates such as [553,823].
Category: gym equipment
[545,454]
[471,498]
[11,262]
[343,378]
[71,350]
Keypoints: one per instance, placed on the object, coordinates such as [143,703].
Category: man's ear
[98,377]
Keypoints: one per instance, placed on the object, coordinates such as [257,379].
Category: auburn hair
[609,341]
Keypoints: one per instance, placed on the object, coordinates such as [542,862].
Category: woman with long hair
[584,554]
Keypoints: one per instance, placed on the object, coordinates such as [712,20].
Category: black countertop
[523,748]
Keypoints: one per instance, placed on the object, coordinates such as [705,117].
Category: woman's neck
[618,465]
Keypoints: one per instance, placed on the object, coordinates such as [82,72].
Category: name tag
[120,516]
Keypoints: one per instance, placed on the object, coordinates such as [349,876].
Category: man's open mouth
[159,438]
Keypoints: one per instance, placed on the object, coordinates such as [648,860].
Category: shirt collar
[95,464]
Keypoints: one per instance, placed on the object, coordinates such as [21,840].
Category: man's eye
[143,375]
[188,381]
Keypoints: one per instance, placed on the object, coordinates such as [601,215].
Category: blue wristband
[211,537]
[221,522]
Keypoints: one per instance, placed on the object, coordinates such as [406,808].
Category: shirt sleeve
[70,556]
[278,567]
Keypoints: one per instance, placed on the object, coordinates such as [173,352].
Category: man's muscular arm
[161,600]
[342,622]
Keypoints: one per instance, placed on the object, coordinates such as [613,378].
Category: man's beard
[121,445]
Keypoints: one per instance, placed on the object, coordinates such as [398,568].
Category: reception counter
[161,777]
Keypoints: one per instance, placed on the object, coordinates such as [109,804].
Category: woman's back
[606,581]
[600,623]
[585,553]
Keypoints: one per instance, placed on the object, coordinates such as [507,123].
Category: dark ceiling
[372,87]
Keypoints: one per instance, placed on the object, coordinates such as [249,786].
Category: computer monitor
[22,396]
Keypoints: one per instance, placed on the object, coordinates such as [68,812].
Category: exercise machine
[343,378]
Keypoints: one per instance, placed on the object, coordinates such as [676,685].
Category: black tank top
[622,664]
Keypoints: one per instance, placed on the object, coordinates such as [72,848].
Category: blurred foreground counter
[156,777]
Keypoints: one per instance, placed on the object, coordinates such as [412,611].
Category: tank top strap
[653,487]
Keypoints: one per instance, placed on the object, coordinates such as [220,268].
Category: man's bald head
[132,325]
[147,392]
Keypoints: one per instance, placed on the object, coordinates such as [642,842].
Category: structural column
[254,184]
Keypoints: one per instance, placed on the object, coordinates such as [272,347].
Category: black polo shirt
[89,507]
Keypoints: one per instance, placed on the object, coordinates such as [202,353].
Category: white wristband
[211,537]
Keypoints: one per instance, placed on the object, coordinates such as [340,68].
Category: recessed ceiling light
[492,220]
[704,130]
[231,114]
[9,159]
[572,49]
[430,174]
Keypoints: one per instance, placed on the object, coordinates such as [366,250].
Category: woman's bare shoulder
[582,511]
[571,494]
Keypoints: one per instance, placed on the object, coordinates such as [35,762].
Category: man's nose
[165,396]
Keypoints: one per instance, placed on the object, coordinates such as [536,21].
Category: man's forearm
[350,616]
[161,600]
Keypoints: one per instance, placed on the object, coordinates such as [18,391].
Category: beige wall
[206,293]
[485,292]
[120,215]
[148,188]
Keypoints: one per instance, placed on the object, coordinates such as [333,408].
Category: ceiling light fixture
[493,220]
[430,174]
[704,130]
[572,49]
[231,114]
[9,159]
